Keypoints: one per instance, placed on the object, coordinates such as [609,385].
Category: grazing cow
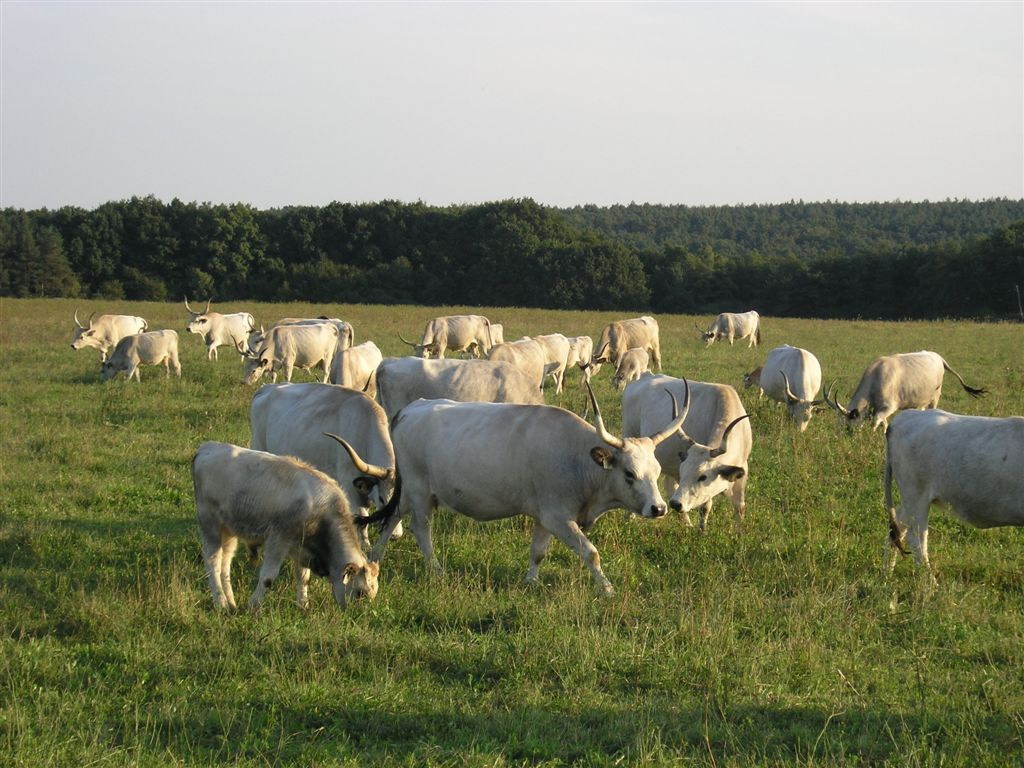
[354,367]
[402,380]
[288,346]
[631,366]
[492,461]
[708,455]
[288,507]
[150,348]
[346,334]
[731,326]
[556,355]
[290,419]
[581,352]
[459,333]
[219,330]
[973,465]
[621,335]
[528,355]
[105,331]
[896,382]
[790,375]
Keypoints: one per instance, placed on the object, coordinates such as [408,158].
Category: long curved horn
[77,322]
[367,469]
[700,330]
[789,392]
[832,402]
[410,343]
[677,420]
[205,311]
[91,316]
[241,347]
[604,434]
[189,308]
[599,358]
[724,445]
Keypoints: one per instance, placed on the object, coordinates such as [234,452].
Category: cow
[289,419]
[288,346]
[105,331]
[792,376]
[402,380]
[218,330]
[149,348]
[581,351]
[346,334]
[528,355]
[354,367]
[497,333]
[556,355]
[973,465]
[459,333]
[631,366]
[491,461]
[708,455]
[732,326]
[896,382]
[284,505]
[621,335]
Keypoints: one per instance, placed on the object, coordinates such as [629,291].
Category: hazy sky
[568,103]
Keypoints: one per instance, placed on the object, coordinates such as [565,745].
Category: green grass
[776,645]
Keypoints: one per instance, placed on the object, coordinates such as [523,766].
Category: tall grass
[782,643]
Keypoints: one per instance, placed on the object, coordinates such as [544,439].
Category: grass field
[784,643]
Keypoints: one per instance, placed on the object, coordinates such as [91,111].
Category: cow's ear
[364,484]
[731,473]
[373,569]
[350,570]
[602,456]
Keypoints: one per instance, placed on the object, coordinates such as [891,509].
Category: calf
[287,507]
[150,348]
[287,346]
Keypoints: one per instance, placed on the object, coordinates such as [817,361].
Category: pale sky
[303,103]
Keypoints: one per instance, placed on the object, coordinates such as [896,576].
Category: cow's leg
[301,585]
[289,366]
[917,536]
[422,516]
[176,364]
[385,536]
[569,533]
[228,547]
[213,554]
[273,556]
[538,548]
[133,372]
[738,495]
[656,356]
[702,515]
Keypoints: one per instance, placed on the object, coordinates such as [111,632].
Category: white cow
[459,333]
[973,465]
[620,335]
[792,376]
[708,455]
[581,352]
[105,331]
[402,380]
[290,419]
[287,507]
[497,333]
[346,334]
[150,348]
[896,382]
[354,367]
[528,355]
[556,355]
[733,325]
[219,330]
[287,346]
[492,461]
[631,366]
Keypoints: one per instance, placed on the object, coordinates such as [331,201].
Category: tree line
[885,260]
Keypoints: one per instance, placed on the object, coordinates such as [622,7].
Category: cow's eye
[630,477]
[702,478]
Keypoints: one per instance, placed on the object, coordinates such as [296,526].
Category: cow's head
[375,484]
[708,336]
[425,351]
[356,581]
[799,410]
[107,370]
[633,468]
[198,322]
[85,335]
[255,364]
[753,379]
[703,470]
[851,417]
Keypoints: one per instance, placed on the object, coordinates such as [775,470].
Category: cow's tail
[757,333]
[384,514]
[895,535]
[972,391]
[145,325]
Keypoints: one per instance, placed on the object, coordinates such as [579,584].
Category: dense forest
[884,260]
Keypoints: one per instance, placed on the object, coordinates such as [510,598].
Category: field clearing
[783,643]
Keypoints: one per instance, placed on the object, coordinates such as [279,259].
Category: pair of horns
[723,445]
[79,324]
[618,442]
[198,313]
[373,470]
[793,398]
[833,402]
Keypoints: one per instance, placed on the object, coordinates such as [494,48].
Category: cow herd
[473,434]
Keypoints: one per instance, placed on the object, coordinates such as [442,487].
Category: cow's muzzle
[658,510]
[676,505]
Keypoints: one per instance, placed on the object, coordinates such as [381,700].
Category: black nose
[658,510]
[676,505]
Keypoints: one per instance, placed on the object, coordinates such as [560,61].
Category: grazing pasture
[783,643]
